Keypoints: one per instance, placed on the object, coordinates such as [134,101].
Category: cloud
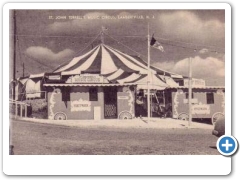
[209,68]
[47,55]
[188,26]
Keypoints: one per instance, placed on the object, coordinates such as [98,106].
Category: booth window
[93,94]
[181,83]
[66,93]
[187,96]
[210,98]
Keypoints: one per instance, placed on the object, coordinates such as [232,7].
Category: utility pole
[14,53]
[148,79]
[190,93]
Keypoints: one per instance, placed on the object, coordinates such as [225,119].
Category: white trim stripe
[107,65]
[75,60]
[130,78]
[85,65]
[134,60]
[115,75]
[128,63]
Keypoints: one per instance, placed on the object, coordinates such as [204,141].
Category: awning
[85,85]
[151,87]
[33,88]
[36,75]
[198,87]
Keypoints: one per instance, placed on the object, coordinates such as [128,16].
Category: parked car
[219,128]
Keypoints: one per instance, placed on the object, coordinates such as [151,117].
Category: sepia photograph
[116,82]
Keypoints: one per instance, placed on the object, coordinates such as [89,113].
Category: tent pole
[148,81]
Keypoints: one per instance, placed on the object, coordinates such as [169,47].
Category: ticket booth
[89,97]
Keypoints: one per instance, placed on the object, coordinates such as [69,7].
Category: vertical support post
[21,109]
[23,68]
[14,54]
[148,79]
[16,109]
[150,105]
[190,93]
[25,110]
[102,35]
[164,100]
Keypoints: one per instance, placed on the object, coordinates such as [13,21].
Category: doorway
[110,102]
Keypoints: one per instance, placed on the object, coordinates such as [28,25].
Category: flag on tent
[154,43]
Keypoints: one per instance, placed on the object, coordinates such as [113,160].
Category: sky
[48,38]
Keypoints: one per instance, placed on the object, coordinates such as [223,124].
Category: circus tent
[117,67]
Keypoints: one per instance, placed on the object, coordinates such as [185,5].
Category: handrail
[21,104]
[25,93]
[18,102]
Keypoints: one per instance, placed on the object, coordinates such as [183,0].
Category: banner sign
[195,82]
[122,97]
[80,105]
[86,78]
[200,109]
[54,77]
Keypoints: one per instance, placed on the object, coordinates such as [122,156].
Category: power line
[195,49]
[189,43]
[80,51]
[34,59]
[127,36]
[42,36]
[43,64]
[136,52]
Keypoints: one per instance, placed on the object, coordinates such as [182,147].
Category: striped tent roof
[103,60]
[115,66]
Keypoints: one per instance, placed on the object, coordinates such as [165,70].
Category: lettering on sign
[54,77]
[80,105]
[195,82]
[122,97]
[194,101]
[201,109]
[86,78]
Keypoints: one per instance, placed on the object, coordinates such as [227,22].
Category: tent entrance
[110,102]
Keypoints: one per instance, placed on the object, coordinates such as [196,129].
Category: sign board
[86,78]
[80,105]
[122,97]
[195,82]
[54,77]
[200,109]
[194,101]
[97,113]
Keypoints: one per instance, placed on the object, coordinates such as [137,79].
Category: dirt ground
[31,138]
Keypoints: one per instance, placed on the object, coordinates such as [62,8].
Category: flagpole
[102,35]
[148,79]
